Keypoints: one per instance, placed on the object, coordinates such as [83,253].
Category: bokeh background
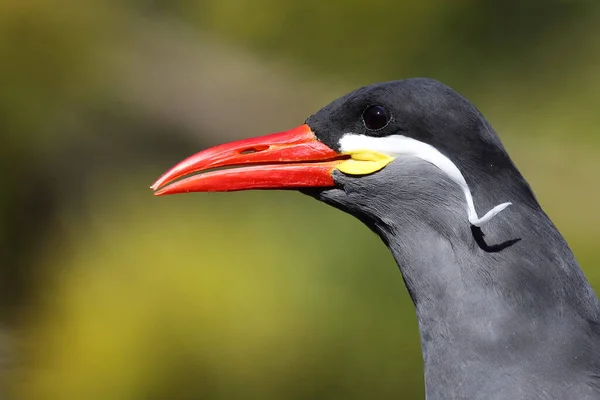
[107,292]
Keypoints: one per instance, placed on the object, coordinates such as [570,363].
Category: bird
[504,310]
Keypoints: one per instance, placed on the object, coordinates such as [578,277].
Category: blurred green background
[110,293]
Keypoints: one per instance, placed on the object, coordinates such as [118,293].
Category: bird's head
[369,149]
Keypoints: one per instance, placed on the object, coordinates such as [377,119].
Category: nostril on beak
[255,149]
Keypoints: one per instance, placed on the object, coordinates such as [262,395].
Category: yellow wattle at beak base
[364,162]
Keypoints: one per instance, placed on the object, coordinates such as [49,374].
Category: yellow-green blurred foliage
[110,293]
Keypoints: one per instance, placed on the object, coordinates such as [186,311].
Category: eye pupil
[376,117]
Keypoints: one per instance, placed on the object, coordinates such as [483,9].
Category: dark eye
[376,117]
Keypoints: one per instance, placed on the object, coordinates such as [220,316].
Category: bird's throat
[486,298]
[481,311]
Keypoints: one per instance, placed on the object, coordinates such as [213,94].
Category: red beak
[286,160]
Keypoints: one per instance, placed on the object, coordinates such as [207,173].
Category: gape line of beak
[296,159]
[292,159]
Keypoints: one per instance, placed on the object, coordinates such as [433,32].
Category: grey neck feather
[502,312]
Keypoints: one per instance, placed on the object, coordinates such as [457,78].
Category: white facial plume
[401,146]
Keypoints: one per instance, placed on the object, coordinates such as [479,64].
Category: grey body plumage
[520,323]
[504,312]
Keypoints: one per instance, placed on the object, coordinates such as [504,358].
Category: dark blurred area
[110,293]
